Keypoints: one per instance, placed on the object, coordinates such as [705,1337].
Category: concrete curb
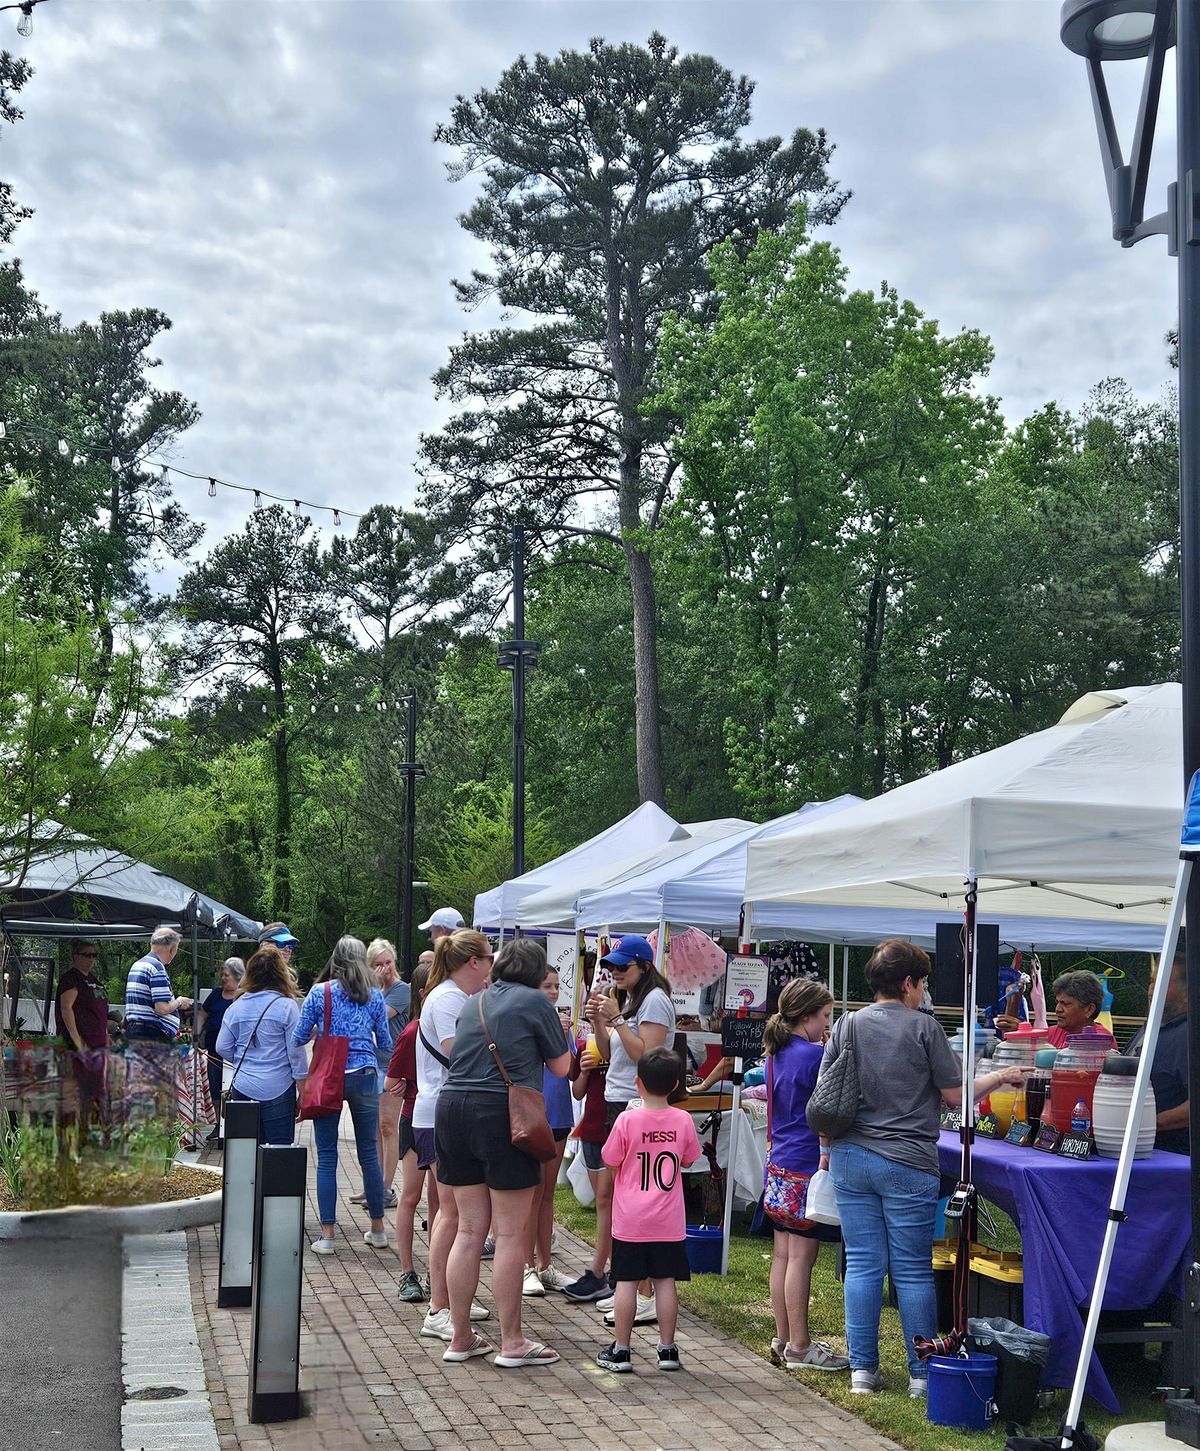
[83,1221]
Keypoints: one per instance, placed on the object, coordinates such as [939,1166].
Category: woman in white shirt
[461,963]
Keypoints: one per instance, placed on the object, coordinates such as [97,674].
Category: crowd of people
[430,1066]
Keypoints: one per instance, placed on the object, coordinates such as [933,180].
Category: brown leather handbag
[528,1125]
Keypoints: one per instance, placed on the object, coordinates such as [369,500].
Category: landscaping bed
[107,1187]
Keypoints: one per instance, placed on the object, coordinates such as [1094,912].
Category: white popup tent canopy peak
[556,909]
[1080,822]
[644,829]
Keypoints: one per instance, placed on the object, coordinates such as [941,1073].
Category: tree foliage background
[785,543]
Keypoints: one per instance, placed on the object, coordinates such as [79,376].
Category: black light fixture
[518,656]
[1103,31]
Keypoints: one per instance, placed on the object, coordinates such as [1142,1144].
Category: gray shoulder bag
[833,1106]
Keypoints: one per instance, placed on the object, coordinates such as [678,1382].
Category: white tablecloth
[747,1169]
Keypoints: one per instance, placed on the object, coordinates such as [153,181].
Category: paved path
[369,1380]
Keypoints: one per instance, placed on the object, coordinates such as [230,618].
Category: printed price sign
[1075,1146]
[742,1037]
[1020,1133]
[1047,1139]
[952,1119]
[746,980]
[987,1126]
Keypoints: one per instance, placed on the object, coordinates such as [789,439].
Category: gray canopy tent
[74,887]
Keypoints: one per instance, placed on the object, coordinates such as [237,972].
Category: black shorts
[407,1141]
[423,1142]
[651,1259]
[474,1144]
[612,1112]
[562,1135]
[593,1156]
[825,1233]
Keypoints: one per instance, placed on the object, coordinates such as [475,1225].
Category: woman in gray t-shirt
[885,1166]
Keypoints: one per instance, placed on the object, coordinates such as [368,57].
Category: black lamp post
[518,655]
[1109,30]
[410,769]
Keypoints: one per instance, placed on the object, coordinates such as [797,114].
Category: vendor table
[1061,1207]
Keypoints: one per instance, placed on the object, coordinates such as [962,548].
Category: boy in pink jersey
[649,1147]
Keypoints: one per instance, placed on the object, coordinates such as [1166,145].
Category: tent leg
[1116,1212]
[832,969]
[731,1160]
[195,1030]
[845,979]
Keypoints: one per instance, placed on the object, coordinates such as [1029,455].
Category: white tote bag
[820,1203]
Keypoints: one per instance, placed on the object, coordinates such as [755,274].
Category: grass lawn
[740,1305]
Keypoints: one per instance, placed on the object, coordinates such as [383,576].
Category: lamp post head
[1112,29]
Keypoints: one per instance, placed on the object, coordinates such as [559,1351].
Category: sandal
[478,1346]
[537,1354]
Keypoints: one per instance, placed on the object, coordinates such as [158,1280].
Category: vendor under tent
[1078,823]
[78,888]
[644,829]
[555,908]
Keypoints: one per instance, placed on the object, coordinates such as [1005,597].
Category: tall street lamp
[1111,30]
[518,655]
[410,769]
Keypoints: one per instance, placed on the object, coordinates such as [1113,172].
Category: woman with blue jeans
[885,1166]
[255,1037]
[357,1012]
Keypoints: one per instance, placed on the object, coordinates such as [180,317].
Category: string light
[337,519]
[212,488]
[257,499]
[296,507]
[116,464]
[25,24]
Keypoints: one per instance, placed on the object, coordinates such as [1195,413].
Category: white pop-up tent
[697,884]
[556,908]
[642,830]
[1074,827]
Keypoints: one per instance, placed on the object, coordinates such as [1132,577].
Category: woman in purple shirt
[793,1042]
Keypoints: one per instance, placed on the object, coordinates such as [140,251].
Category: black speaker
[947,985]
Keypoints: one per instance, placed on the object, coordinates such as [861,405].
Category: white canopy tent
[696,885]
[1072,830]
[645,829]
[556,908]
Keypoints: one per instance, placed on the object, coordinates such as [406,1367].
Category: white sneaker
[323,1246]
[532,1284]
[605,1305]
[553,1279]
[553,1240]
[376,1238]
[437,1326]
[866,1382]
[918,1387]
[645,1314]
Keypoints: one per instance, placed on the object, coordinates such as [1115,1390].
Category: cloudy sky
[264,172]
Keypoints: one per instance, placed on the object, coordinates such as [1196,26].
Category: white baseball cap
[448,917]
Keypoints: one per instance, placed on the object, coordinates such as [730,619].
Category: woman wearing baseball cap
[634,1017]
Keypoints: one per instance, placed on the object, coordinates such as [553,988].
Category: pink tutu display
[693,958]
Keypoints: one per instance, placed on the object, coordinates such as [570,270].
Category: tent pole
[195,1020]
[832,969]
[846,978]
[1116,1212]
[966,1132]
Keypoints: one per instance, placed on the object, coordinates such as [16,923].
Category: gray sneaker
[818,1356]
[866,1382]
[411,1290]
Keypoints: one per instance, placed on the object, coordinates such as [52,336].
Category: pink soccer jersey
[648,1149]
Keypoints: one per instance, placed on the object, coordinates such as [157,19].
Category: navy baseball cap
[631,948]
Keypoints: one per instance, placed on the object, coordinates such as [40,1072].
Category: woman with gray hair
[212,1011]
[346,990]
[1078,999]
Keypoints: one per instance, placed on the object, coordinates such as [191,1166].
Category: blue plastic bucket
[704,1249]
[961,1390]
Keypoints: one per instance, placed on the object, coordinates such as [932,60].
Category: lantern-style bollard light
[238,1180]
[274,1382]
[1103,31]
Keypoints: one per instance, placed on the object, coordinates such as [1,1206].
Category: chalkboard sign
[742,1037]
[1020,1133]
[987,1126]
[1047,1138]
[952,1119]
[1075,1146]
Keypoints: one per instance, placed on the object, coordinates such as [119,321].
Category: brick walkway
[368,1378]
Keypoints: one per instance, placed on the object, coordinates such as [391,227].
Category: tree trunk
[647,722]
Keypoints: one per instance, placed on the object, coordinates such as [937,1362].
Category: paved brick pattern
[369,1380]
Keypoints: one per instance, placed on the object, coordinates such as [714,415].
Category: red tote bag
[326,1082]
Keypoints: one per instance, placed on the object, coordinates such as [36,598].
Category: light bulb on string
[336,709]
[258,498]
[63,448]
[337,519]
[3,430]
[264,710]
[212,488]
[25,24]
[116,463]
[296,507]
[163,474]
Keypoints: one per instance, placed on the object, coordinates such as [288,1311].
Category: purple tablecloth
[1061,1207]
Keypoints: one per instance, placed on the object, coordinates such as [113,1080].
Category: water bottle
[1081,1120]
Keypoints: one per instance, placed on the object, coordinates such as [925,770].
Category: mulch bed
[183,1182]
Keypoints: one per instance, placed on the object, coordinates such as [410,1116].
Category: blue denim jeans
[276,1116]
[887,1211]
[363,1102]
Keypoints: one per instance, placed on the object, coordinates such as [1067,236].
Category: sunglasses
[87,954]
